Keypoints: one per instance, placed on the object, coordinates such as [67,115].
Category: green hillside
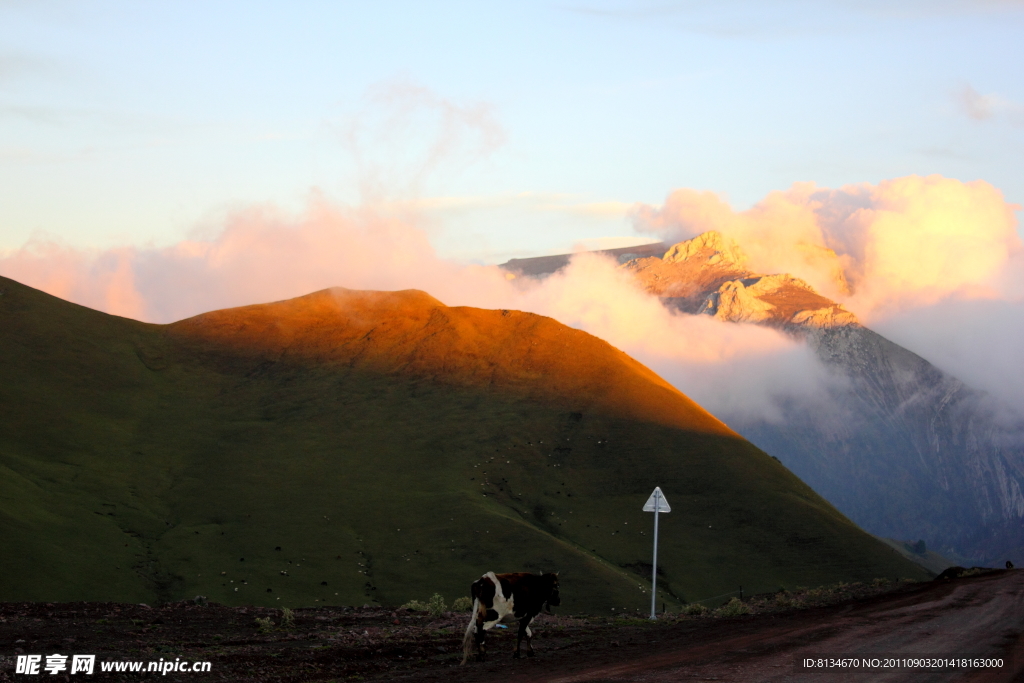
[352,447]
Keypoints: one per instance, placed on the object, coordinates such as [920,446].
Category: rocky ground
[977,615]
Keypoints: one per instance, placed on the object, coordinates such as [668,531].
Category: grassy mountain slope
[390,447]
[929,559]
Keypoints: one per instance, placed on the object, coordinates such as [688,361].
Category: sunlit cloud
[908,245]
[909,256]
[879,249]
[266,254]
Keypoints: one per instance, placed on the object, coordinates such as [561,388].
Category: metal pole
[654,565]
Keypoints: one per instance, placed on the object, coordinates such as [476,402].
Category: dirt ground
[978,616]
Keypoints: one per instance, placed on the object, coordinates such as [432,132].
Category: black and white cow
[497,597]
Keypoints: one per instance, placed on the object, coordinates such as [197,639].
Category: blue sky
[515,128]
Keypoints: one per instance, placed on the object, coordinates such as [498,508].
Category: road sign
[656,503]
[657,499]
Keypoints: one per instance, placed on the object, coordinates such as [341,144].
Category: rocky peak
[824,318]
[769,284]
[711,247]
[778,300]
[734,302]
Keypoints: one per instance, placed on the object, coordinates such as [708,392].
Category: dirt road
[979,616]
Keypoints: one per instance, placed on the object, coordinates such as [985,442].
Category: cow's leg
[524,631]
[481,648]
[529,635]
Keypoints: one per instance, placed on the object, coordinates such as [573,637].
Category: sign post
[656,503]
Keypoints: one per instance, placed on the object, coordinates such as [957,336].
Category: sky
[524,127]
[159,159]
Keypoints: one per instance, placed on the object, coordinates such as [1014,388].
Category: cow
[500,596]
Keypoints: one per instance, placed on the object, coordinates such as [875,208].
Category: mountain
[351,447]
[902,448]
[709,274]
[542,265]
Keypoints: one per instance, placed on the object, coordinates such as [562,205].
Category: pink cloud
[879,249]
[263,254]
[885,249]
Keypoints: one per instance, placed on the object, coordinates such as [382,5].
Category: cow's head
[553,600]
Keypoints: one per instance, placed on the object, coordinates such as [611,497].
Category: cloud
[738,370]
[916,258]
[976,341]
[974,104]
[918,241]
[406,134]
[404,137]
[880,249]
[104,280]
[264,254]
[261,254]
[985,107]
[908,255]
[780,234]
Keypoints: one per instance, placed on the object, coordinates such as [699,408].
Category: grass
[695,609]
[303,453]
[733,608]
[436,605]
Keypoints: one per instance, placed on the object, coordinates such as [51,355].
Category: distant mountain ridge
[543,265]
[372,447]
[903,448]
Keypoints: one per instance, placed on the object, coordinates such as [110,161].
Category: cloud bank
[264,254]
[880,249]
[911,257]
[734,370]
[909,254]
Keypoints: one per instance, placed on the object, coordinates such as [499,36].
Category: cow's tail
[467,641]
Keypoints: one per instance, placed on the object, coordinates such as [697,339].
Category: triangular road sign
[657,497]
